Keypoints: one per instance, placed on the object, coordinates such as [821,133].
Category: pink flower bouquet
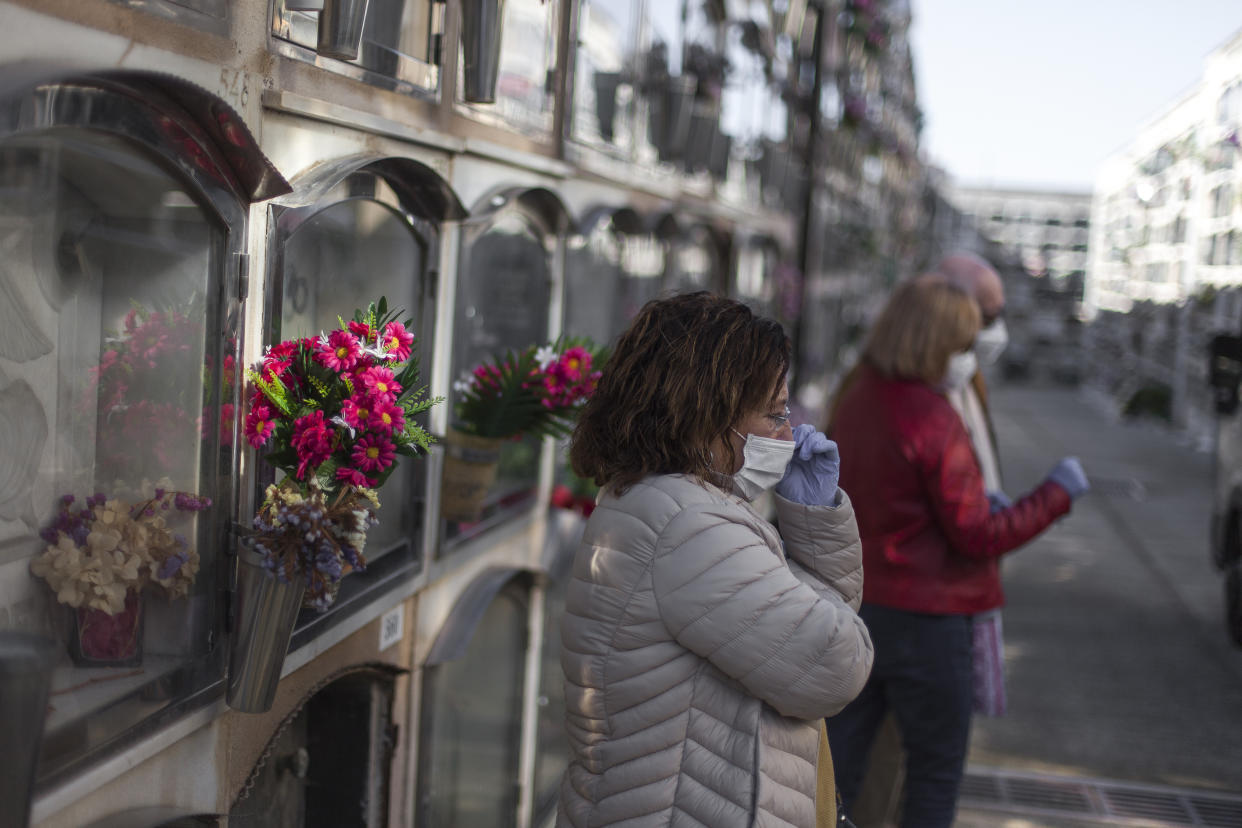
[536,391]
[333,413]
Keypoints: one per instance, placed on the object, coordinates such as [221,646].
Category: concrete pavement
[1118,663]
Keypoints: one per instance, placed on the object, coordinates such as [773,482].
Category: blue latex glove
[811,478]
[1068,474]
[999,500]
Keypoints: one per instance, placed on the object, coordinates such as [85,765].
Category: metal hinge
[243,276]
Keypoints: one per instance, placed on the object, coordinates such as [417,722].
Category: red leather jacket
[930,540]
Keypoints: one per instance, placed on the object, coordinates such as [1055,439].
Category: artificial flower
[397,341]
[339,352]
[373,453]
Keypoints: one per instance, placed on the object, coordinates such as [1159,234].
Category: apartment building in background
[1166,219]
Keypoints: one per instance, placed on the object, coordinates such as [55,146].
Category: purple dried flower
[171,564]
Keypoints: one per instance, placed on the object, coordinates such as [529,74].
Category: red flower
[357,410]
[312,439]
[373,453]
[353,477]
[259,425]
[361,330]
[387,418]
[340,352]
[397,341]
[380,382]
[575,363]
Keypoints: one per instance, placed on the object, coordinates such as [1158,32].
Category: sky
[1038,94]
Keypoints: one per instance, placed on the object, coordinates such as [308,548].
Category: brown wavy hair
[686,370]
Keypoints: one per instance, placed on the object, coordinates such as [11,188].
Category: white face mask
[961,368]
[991,341]
[764,461]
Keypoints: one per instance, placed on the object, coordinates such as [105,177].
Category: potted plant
[332,413]
[102,554]
[535,391]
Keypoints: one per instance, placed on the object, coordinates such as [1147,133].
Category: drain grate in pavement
[1116,803]
[1216,815]
[1166,807]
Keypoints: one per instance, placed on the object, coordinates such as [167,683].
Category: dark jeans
[922,673]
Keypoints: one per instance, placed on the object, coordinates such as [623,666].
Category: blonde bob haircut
[925,322]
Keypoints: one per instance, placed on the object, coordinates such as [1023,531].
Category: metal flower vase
[481,22]
[340,28]
[26,663]
[265,610]
[470,465]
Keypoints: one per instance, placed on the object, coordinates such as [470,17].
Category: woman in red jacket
[931,541]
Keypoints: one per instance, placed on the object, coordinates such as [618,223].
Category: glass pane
[642,265]
[552,743]
[345,257]
[397,37]
[472,722]
[593,285]
[524,97]
[110,385]
[502,304]
[604,93]
[694,265]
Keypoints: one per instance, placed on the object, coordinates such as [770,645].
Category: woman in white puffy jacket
[702,647]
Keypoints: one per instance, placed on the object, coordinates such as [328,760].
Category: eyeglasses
[780,420]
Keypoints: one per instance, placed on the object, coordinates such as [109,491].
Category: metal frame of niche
[173,124]
[423,201]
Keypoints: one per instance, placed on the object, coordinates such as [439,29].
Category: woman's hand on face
[814,470]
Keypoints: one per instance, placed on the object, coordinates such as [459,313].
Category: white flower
[545,356]
[463,384]
[339,420]
[378,353]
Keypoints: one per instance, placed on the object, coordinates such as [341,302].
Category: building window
[524,90]
[397,48]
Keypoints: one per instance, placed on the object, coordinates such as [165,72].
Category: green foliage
[513,394]
[1151,400]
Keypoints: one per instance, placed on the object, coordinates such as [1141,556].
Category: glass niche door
[503,291]
[470,730]
[342,255]
[694,264]
[117,389]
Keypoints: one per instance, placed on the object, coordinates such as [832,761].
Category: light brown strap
[825,784]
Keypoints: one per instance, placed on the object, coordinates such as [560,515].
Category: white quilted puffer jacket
[698,658]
